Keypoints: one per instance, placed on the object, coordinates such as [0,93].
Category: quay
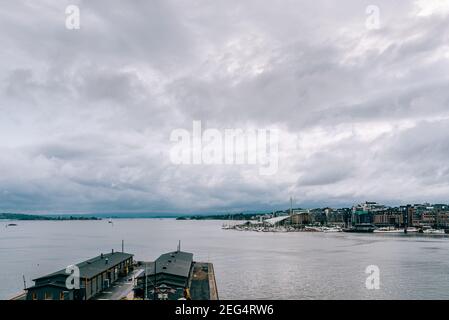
[202,282]
[116,276]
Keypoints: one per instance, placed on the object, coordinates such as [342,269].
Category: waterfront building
[435,218]
[338,217]
[361,216]
[300,218]
[441,207]
[370,212]
[175,276]
[443,220]
[370,206]
[417,215]
[166,278]
[317,216]
[428,218]
[419,210]
[388,218]
[408,212]
[95,275]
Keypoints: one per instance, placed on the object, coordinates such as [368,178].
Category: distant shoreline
[238,216]
[30,217]
[68,217]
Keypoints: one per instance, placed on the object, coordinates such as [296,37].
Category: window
[34,296]
[61,295]
[48,296]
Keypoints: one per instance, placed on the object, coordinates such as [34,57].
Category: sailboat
[228,226]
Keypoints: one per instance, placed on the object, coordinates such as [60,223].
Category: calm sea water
[248,265]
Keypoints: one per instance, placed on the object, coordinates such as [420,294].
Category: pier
[116,276]
[202,283]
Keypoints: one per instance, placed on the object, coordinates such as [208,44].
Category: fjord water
[248,265]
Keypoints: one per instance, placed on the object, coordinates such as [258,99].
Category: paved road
[122,288]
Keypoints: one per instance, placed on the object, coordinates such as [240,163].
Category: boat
[388,230]
[312,229]
[434,231]
[331,229]
[229,225]
[361,228]
[11,225]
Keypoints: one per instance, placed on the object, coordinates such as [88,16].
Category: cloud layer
[86,115]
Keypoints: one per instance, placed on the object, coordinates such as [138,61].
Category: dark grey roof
[176,263]
[57,284]
[94,266]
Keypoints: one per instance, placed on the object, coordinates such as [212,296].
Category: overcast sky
[86,115]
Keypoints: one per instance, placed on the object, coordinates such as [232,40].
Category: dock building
[95,275]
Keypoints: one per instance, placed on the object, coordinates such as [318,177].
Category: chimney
[112,251]
[101,256]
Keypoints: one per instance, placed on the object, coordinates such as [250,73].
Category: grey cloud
[325,169]
[86,115]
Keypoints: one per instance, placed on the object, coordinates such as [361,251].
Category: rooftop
[275,220]
[176,263]
[94,266]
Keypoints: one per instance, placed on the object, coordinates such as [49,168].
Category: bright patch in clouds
[431,7]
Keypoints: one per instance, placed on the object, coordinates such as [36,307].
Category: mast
[154,290]
[291,206]
[146,282]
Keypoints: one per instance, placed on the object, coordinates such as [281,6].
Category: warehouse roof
[94,266]
[176,263]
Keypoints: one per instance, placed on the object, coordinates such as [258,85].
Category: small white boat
[333,229]
[313,229]
[433,231]
[388,230]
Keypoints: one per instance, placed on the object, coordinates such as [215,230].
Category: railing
[19,296]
